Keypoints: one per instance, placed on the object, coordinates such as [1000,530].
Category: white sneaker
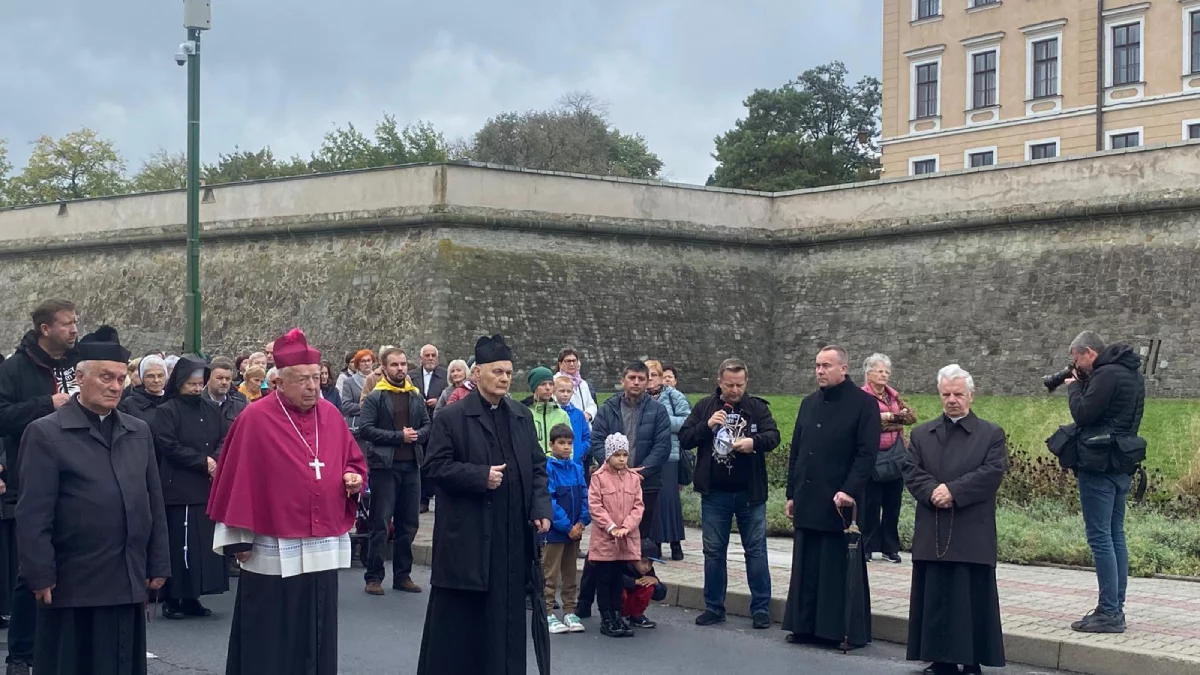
[574,624]
[557,627]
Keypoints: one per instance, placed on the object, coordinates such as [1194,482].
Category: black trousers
[588,583]
[395,494]
[609,584]
[882,534]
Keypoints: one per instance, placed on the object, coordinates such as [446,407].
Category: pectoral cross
[316,464]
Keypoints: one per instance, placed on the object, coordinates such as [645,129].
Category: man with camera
[1107,394]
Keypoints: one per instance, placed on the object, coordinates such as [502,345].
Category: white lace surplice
[285,557]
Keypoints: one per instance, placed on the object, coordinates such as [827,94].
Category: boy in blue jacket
[568,494]
[564,389]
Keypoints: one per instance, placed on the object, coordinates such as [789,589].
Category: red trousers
[636,601]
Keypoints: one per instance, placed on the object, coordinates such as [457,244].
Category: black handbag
[888,462]
[687,467]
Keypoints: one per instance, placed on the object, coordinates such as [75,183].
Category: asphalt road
[382,636]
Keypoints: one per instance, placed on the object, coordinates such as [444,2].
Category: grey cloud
[282,73]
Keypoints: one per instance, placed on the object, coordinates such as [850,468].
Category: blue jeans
[1102,498]
[717,510]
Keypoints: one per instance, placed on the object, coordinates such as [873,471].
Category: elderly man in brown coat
[954,470]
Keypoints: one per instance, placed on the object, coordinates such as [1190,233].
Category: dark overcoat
[437,382]
[141,404]
[377,428]
[456,462]
[90,519]
[834,446]
[970,458]
[188,430]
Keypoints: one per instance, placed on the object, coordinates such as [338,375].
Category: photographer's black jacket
[696,434]
[1112,399]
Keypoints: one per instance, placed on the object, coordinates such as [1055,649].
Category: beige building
[971,83]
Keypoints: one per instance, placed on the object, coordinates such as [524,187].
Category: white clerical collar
[104,416]
[956,419]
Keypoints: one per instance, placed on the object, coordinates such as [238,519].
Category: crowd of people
[153,479]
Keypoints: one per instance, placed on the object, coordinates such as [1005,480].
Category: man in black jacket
[833,454]
[732,433]
[36,381]
[220,391]
[395,426]
[1107,398]
[91,523]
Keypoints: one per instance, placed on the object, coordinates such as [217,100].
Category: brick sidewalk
[1037,605]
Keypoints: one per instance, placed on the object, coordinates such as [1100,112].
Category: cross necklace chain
[316,464]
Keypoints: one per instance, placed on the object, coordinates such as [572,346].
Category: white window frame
[1188,123]
[1189,8]
[912,86]
[974,151]
[1125,16]
[916,5]
[1057,141]
[912,163]
[1140,131]
[971,54]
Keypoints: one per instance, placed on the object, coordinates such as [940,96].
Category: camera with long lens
[1056,380]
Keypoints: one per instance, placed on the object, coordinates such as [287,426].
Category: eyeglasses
[570,360]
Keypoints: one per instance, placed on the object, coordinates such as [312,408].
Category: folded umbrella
[539,625]
[855,621]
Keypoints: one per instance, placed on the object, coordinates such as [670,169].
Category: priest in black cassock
[489,478]
[833,454]
[188,430]
[954,469]
[91,524]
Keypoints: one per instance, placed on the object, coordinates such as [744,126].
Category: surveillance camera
[181,58]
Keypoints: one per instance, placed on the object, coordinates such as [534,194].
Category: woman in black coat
[188,431]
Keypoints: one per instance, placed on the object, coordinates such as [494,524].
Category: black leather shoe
[676,551]
[194,608]
[940,669]
[172,611]
[892,557]
[973,670]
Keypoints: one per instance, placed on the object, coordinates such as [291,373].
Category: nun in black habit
[188,430]
[954,469]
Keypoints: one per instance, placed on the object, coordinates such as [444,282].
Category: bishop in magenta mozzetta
[284,499]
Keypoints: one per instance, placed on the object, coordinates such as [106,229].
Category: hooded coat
[1112,399]
[29,379]
[546,416]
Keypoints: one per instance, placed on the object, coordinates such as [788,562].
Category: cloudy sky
[283,72]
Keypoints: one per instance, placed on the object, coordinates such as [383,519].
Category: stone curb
[1091,659]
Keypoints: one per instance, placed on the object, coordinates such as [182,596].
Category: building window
[985,158]
[928,8]
[983,73]
[1193,131]
[1043,150]
[1125,139]
[919,166]
[1127,54]
[981,3]
[1045,68]
[1194,17]
[927,90]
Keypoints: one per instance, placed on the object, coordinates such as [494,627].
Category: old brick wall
[1004,303]
[356,289]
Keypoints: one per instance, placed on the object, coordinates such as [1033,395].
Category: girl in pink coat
[615,504]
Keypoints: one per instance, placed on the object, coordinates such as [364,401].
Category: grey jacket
[90,518]
[376,429]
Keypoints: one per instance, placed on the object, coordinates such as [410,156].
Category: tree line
[813,131]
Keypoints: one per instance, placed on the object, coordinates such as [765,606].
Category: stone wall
[995,269]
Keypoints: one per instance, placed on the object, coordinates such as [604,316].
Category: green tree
[5,167]
[80,164]
[242,165]
[573,136]
[815,130]
[349,148]
[162,171]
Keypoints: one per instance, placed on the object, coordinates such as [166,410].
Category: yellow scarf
[384,385]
